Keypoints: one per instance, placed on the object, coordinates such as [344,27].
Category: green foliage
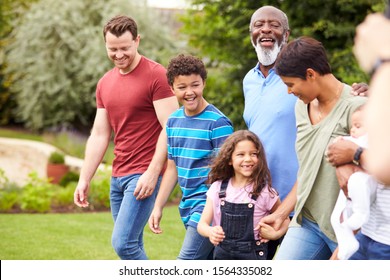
[99,194]
[226,93]
[7,100]
[8,200]
[69,177]
[10,10]
[3,179]
[56,158]
[57,56]
[37,194]
[9,194]
[334,25]
[62,200]
[20,134]
[346,66]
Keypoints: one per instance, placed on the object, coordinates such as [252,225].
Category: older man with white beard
[269,110]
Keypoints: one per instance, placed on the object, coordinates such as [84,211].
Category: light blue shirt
[269,113]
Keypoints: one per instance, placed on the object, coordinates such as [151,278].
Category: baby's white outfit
[351,212]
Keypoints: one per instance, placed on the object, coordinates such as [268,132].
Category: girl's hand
[216,235]
[267,232]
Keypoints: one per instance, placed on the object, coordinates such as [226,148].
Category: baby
[351,212]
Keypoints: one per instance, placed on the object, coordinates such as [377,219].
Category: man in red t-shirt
[134,101]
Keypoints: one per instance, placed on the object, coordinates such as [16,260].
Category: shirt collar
[257,69]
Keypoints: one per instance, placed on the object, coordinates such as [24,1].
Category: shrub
[3,179]
[57,158]
[37,194]
[9,193]
[40,196]
[99,195]
[62,199]
[68,178]
[8,199]
[56,39]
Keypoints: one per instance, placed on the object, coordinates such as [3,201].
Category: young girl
[240,195]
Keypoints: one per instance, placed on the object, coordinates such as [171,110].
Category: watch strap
[357,155]
[378,64]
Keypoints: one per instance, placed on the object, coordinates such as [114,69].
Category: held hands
[271,232]
[216,235]
[274,220]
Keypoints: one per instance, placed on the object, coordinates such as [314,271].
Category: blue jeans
[370,249]
[130,217]
[195,246]
[307,242]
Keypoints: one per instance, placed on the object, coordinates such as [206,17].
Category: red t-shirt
[128,100]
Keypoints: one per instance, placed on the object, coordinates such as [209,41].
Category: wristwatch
[378,64]
[356,157]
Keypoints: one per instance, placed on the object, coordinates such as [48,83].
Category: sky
[167,3]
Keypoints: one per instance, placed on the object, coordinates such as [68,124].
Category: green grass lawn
[82,236]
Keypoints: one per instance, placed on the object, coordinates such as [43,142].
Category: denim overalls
[237,223]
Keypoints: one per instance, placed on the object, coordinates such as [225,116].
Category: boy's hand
[154,221]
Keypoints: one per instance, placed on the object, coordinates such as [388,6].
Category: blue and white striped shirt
[192,142]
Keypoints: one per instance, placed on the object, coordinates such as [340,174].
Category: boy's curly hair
[185,65]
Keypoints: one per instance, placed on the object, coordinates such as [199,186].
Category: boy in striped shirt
[195,133]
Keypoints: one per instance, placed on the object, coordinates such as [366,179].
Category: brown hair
[119,25]
[221,169]
[299,55]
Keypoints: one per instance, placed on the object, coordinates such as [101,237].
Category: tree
[10,10]
[219,30]
[57,57]
[334,25]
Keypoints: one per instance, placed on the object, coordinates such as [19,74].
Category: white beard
[266,56]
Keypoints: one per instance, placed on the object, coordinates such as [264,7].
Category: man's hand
[80,196]
[154,220]
[145,185]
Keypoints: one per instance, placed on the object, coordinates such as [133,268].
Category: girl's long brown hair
[221,169]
